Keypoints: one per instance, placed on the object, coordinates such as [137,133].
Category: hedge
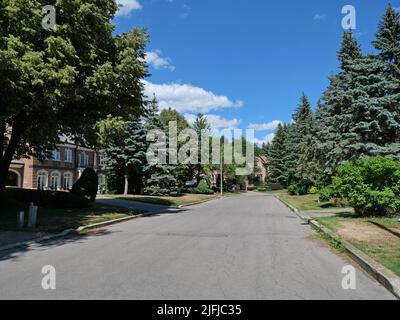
[44,198]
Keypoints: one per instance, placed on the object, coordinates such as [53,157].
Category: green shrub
[202,188]
[326,194]
[55,199]
[298,189]
[371,186]
[262,189]
[87,185]
[156,191]
[313,190]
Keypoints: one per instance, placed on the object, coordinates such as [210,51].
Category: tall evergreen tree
[388,40]
[160,179]
[276,152]
[126,157]
[349,50]
[359,114]
[296,134]
[200,125]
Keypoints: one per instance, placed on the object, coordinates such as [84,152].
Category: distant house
[58,172]
[261,172]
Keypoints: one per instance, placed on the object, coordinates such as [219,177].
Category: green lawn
[55,220]
[380,245]
[168,201]
[307,202]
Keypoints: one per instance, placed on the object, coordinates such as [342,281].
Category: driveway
[244,247]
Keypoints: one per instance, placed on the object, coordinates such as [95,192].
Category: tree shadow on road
[17,253]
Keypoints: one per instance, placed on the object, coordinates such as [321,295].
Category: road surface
[244,247]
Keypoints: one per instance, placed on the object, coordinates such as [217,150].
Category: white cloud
[127,6]
[188,98]
[155,59]
[267,139]
[319,17]
[265,126]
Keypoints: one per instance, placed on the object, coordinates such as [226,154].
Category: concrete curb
[198,202]
[38,240]
[383,275]
[90,227]
[295,210]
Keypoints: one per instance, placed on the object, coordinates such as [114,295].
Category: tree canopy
[62,81]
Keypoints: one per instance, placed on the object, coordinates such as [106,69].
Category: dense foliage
[54,199]
[371,185]
[65,79]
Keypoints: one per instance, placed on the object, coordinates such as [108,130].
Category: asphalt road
[244,247]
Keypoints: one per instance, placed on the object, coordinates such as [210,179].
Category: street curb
[90,227]
[294,209]
[38,240]
[383,275]
[198,202]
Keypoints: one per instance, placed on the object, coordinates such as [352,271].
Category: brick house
[59,172]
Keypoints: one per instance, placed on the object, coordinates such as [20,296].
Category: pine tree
[200,126]
[372,112]
[388,40]
[275,157]
[359,114]
[297,132]
[160,178]
[349,51]
[126,159]
[331,117]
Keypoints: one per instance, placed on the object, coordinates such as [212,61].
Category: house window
[67,181]
[56,155]
[55,180]
[42,180]
[102,179]
[83,159]
[68,155]
[102,160]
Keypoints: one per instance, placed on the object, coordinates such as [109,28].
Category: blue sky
[244,62]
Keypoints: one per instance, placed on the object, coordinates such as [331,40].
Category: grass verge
[309,202]
[380,245]
[56,220]
[167,201]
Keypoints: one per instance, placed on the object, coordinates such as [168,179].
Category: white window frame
[57,185]
[56,155]
[68,177]
[68,155]
[83,160]
[102,159]
[39,175]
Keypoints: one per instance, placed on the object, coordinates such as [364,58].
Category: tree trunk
[8,152]
[5,163]
[126,187]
